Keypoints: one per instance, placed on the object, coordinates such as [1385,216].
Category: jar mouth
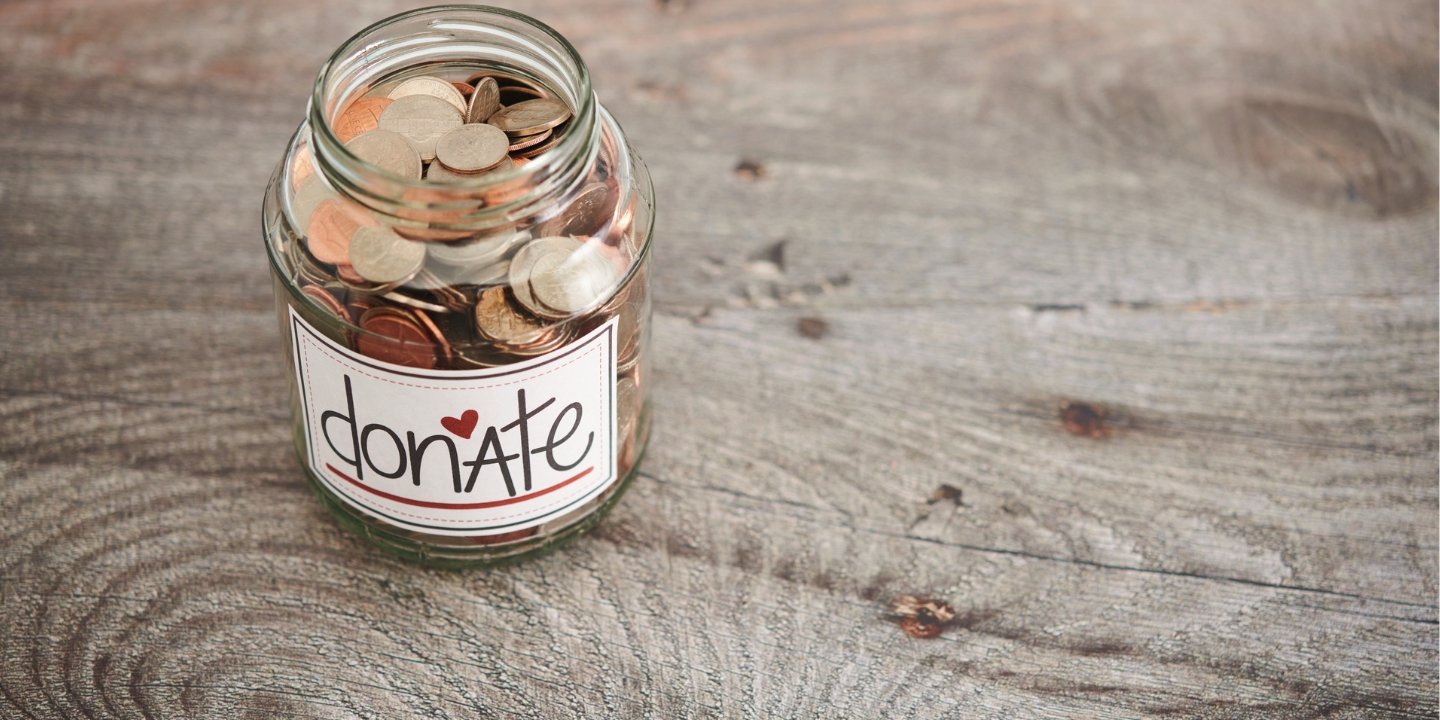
[454,36]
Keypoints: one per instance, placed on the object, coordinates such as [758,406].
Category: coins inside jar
[429,296]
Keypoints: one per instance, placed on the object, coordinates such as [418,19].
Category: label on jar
[460,452]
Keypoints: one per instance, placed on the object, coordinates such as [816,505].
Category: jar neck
[460,38]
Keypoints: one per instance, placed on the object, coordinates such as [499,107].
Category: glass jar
[467,337]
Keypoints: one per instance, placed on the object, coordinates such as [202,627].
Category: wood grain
[1152,285]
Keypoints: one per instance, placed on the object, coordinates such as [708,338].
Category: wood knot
[921,617]
[812,327]
[1084,419]
[1326,157]
[748,169]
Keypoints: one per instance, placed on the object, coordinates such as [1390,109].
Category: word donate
[460,452]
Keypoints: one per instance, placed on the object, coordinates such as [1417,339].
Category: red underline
[459,506]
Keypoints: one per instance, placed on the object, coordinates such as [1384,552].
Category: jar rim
[577,144]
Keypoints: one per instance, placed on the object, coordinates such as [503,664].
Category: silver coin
[422,120]
[484,102]
[432,87]
[531,116]
[381,256]
[441,174]
[387,151]
[524,262]
[308,196]
[568,284]
[472,148]
[483,251]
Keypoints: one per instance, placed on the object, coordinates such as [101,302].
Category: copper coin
[484,102]
[346,274]
[326,301]
[464,88]
[302,168]
[362,116]
[556,136]
[358,306]
[330,229]
[437,337]
[392,335]
[590,209]
[531,116]
[525,141]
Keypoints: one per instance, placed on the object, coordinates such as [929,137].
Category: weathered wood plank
[1208,229]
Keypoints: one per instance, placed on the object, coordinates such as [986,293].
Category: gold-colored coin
[431,87]
[422,120]
[496,320]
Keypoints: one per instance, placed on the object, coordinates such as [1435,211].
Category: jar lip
[320,124]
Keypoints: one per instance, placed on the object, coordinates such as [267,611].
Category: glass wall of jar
[457,223]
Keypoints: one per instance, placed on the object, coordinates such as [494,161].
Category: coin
[347,276]
[300,169]
[569,283]
[442,346]
[484,101]
[472,148]
[524,261]
[555,137]
[465,89]
[383,257]
[308,196]
[585,214]
[497,320]
[429,87]
[531,116]
[330,228]
[524,141]
[388,151]
[326,301]
[482,251]
[362,116]
[422,120]
[393,335]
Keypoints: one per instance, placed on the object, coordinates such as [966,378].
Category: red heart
[463,425]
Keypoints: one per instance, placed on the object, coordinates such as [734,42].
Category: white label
[460,452]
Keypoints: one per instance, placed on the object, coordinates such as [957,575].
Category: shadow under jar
[459,237]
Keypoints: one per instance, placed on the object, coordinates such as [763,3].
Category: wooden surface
[1152,283]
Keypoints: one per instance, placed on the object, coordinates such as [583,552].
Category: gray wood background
[1152,283]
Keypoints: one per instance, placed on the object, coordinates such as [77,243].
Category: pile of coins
[454,300]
